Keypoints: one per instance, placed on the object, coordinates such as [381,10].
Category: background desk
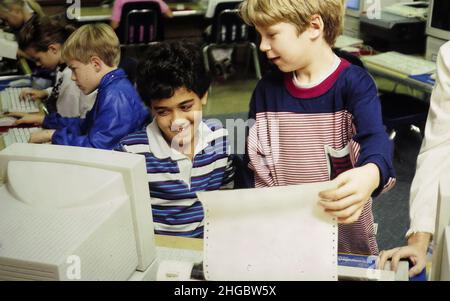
[400,79]
[103,13]
[188,21]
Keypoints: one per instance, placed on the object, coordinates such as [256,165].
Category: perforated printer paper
[277,233]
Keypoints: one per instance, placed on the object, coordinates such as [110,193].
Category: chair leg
[123,50]
[206,62]
[205,56]
[256,60]
[248,56]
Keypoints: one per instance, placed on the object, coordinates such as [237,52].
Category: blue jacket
[118,111]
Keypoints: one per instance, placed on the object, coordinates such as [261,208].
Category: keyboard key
[18,135]
[10,101]
[8,139]
[402,63]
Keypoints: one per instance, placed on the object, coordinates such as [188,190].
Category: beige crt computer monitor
[8,45]
[440,269]
[73,213]
[354,8]
[438,22]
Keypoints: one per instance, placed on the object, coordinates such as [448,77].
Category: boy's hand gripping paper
[276,233]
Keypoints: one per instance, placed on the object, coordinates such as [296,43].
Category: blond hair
[90,40]
[296,12]
[6,5]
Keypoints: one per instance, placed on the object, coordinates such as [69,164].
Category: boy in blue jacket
[93,53]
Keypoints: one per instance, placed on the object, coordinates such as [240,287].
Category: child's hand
[355,186]
[43,136]
[28,118]
[416,252]
[33,93]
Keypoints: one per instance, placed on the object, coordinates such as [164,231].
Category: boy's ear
[96,62]
[204,99]
[54,48]
[316,26]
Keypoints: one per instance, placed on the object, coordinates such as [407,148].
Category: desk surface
[103,13]
[399,78]
[194,244]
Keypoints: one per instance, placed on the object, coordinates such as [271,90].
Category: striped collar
[162,150]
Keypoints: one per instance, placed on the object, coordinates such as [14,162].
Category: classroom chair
[140,23]
[229,30]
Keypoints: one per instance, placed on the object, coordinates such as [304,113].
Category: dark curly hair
[168,66]
[44,31]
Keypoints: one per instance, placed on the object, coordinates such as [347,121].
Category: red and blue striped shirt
[306,135]
[174,179]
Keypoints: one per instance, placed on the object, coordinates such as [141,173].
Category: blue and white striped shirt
[174,179]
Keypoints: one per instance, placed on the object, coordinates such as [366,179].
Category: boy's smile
[178,118]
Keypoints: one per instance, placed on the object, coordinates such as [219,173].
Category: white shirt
[71,101]
[333,68]
[433,158]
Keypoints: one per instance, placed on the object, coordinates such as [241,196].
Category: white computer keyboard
[20,135]
[402,63]
[10,102]
[418,9]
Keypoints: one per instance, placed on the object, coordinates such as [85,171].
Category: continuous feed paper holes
[276,233]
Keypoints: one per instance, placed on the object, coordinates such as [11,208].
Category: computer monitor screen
[72,213]
[353,4]
[438,24]
[354,8]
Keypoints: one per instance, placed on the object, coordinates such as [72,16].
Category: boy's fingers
[15,114]
[24,94]
[352,218]
[20,121]
[34,137]
[385,256]
[345,213]
[340,204]
[341,192]
[404,252]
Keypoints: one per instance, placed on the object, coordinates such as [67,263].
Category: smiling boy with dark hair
[184,154]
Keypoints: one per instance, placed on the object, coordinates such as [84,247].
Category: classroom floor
[229,99]
[391,210]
